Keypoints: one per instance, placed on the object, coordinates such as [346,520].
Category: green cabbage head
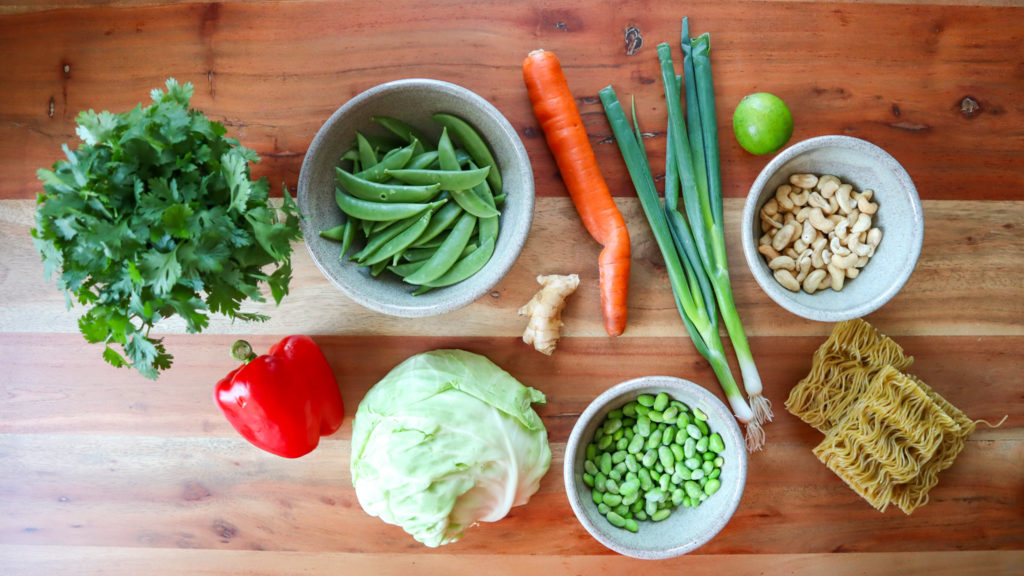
[447,439]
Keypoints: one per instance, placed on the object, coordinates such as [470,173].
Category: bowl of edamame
[655,467]
[417,197]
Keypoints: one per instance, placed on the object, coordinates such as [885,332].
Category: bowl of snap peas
[417,197]
[655,467]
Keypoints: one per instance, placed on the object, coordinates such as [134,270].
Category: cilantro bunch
[155,216]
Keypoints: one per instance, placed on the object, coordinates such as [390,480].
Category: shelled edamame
[427,212]
[649,457]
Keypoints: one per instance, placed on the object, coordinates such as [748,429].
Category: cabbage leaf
[447,439]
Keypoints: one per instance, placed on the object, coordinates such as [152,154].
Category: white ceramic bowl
[413,101]
[899,216]
[687,528]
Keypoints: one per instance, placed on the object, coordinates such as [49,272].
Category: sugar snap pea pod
[349,235]
[367,155]
[469,201]
[403,130]
[488,226]
[465,267]
[350,155]
[473,144]
[401,241]
[384,191]
[374,242]
[423,160]
[336,233]
[394,159]
[405,268]
[447,253]
[377,268]
[444,219]
[376,211]
[447,179]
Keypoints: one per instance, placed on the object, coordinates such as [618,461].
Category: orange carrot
[559,118]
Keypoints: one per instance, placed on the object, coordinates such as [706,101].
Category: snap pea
[403,130]
[422,160]
[378,211]
[447,253]
[443,220]
[469,201]
[335,233]
[446,179]
[367,155]
[467,266]
[400,241]
[393,160]
[383,236]
[474,144]
[385,192]
[349,235]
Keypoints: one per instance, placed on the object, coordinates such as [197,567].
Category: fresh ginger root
[545,311]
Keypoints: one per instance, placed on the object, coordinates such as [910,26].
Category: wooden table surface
[103,471]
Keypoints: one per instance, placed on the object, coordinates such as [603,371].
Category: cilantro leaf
[155,215]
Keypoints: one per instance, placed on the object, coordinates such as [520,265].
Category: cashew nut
[863,224]
[782,197]
[827,185]
[783,237]
[816,200]
[865,205]
[806,181]
[771,207]
[836,246]
[809,233]
[818,220]
[782,262]
[785,277]
[799,198]
[838,277]
[843,198]
[844,262]
[767,251]
[874,237]
[813,280]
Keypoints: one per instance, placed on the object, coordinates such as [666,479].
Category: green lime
[762,123]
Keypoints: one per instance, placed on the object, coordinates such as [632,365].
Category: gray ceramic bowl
[414,101]
[899,216]
[687,528]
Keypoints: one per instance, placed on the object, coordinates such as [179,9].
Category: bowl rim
[754,258]
[456,299]
[708,402]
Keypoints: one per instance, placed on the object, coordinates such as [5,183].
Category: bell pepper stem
[242,351]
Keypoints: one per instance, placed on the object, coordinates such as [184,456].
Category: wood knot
[634,40]
[969,107]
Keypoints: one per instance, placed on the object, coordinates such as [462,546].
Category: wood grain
[104,472]
[273,72]
[968,280]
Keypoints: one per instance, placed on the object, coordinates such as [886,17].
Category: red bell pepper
[284,401]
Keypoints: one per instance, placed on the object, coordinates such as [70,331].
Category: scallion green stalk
[698,58]
[700,324]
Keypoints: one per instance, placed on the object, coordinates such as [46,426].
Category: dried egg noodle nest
[887,434]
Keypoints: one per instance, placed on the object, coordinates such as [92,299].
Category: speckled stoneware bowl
[687,528]
[899,216]
[414,101]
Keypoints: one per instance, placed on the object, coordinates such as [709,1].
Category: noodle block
[841,370]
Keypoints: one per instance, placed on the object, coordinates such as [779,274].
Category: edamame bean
[660,402]
[715,443]
[611,499]
[694,431]
[702,444]
[616,519]
[645,400]
[632,525]
[712,486]
[606,461]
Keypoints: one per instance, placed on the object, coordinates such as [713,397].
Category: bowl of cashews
[832,228]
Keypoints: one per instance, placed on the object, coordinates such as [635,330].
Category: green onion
[700,322]
[697,55]
[694,246]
